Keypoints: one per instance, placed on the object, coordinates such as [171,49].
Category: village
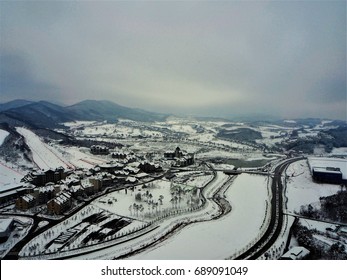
[131,192]
[60,189]
[184,135]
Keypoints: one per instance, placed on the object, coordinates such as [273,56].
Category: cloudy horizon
[279,58]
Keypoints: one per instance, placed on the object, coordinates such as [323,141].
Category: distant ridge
[14,104]
[110,111]
[40,114]
[45,114]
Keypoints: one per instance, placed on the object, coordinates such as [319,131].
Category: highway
[275,225]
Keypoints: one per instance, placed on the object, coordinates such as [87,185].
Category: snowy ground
[192,178]
[301,190]
[81,157]
[221,238]
[121,130]
[78,124]
[52,155]
[3,135]
[9,175]
[156,200]
[339,152]
[21,228]
[324,232]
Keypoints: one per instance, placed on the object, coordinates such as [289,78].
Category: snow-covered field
[51,156]
[221,238]
[325,233]
[318,225]
[183,128]
[80,157]
[122,130]
[21,229]
[9,175]
[78,124]
[339,152]
[301,190]
[44,156]
[154,201]
[3,135]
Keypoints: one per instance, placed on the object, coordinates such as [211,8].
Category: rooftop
[296,253]
[28,198]
[327,170]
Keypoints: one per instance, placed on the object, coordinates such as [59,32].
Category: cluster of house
[54,191]
[99,150]
[180,158]
[57,188]
[124,157]
[41,178]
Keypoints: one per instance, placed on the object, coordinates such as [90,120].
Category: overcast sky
[278,58]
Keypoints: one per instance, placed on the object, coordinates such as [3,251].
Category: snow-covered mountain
[44,114]
[107,110]
[14,104]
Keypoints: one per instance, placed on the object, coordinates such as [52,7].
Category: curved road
[275,225]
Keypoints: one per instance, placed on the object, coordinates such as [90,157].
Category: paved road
[275,225]
[35,230]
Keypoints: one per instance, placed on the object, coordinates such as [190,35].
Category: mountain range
[43,114]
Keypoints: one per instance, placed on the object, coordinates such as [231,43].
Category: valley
[169,188]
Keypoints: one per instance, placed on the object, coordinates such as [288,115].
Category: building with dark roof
[9,195]
[331,175]
[181,158]
[99,150]
[149,167]
[177,153]
[119,155]
[60,204]
[45,193]
[26,202]
[40,177]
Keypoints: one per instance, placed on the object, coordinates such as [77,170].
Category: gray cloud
[283,58]
[17,80]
